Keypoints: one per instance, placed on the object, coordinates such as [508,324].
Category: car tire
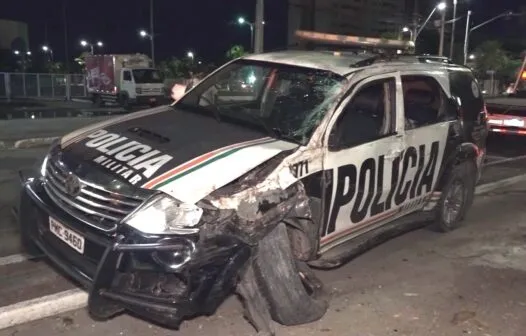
[293,293]
[456,198]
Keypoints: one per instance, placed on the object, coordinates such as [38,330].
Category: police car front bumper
[120,272]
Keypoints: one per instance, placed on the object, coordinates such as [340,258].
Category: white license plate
[69,237]
[514,123]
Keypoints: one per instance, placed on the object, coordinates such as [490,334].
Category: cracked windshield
[288,102]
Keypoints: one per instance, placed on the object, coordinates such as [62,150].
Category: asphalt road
[470,281]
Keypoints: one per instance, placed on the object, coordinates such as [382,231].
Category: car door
[128,84]
[427,131]
[363,158]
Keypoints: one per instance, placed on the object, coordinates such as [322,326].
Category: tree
[235,52]
[490,56]
[55,67]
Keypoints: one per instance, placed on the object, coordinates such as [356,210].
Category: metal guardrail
[42,85]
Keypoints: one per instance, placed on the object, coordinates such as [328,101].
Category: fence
[43,85]
[39,85]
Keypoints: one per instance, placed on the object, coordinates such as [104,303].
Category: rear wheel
[97,101]
[457,197]
[292,290]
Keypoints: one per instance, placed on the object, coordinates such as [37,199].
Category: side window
[424,101]
[368,116]
[126,75]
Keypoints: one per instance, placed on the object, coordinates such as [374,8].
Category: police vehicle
[273,164]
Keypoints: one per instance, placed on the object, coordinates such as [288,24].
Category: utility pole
[415,20]
[152,34]
[65,22]
[442,31]
[452,42]
[259,26]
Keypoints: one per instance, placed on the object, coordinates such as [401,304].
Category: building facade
[13,35]
[371,18]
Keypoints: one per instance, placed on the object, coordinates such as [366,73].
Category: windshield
[287,101]
[147,76]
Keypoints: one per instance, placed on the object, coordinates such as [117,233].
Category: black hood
[137,148]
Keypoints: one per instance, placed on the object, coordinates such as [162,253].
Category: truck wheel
[97,101]
[124,101]
[457,197]
[293,292]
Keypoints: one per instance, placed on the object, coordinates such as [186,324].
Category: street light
[85,43]
[242,21]
[471,57]
[16,52]
[469,31]
[46,49]
[407,30]
[440,7]
[190,55]
[28,53]
[144,34]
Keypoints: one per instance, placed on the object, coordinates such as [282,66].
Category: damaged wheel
[456,199]
[293,292]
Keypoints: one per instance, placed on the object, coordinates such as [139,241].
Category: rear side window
[465,89]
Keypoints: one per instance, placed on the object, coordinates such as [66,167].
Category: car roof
[337,62]
[345,63]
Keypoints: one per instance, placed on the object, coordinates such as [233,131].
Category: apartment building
[370,18]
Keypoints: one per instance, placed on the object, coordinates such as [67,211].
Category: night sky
[206,27]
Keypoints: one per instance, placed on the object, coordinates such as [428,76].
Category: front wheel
[457,197]
[293,292]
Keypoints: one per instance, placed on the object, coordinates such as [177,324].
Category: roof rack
[311,39]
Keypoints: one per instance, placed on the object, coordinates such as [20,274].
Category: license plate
[514,123]
[153,100]
[73,239]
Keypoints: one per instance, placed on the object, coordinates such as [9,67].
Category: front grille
[95,205]
[151,90]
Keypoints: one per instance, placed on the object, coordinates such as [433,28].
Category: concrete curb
[46,306]
[27,143]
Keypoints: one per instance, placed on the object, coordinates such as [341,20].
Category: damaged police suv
[272,165]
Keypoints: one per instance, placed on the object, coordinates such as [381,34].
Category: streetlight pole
[242,21]
[47,49]
[469,31]
[152,43]
[441,7]
[442,31]
[466,37]
[452,42]
[85,43]
[259,26]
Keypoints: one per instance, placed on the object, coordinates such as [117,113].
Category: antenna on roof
[376,45]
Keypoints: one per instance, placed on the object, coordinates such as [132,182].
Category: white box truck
[123,79]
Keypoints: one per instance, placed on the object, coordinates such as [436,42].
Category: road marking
[503,160]
[487,187]
[495,157]
[50,305]
[46,306]
[13,259]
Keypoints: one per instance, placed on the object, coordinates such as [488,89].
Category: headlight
[165,215]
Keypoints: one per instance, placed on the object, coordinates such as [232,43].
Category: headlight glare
[165,215]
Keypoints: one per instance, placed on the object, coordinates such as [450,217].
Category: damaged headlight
[165,215]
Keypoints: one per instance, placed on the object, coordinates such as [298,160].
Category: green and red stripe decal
[202,161]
